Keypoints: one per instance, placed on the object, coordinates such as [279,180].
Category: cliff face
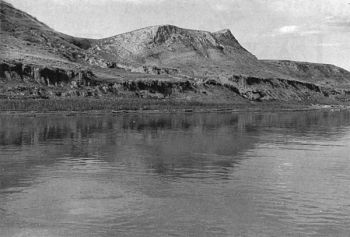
[31,81]
[154,62]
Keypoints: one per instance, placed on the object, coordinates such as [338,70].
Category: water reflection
[254,174]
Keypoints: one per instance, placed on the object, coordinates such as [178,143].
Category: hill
[192,52]
[157,62]
[23,36]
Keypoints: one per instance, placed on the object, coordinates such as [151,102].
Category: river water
[234,174]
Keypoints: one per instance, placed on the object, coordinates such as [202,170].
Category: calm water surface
[248,174]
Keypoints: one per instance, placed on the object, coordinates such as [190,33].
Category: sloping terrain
[167,45]
[322,74]
[191,52]
[23,35]
[154,62]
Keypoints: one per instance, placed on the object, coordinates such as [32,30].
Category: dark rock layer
[44,82]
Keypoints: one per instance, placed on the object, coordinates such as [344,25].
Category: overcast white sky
[304,30]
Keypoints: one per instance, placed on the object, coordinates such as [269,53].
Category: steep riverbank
[29,81]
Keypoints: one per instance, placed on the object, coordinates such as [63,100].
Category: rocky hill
[192,52]
[163,61]
[167,44]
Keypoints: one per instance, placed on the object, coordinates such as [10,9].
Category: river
[229,174]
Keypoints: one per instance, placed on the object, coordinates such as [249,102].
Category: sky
[302,30]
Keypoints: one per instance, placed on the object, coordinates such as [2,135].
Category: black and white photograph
[174,118]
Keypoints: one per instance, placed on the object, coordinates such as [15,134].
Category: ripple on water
[249,174]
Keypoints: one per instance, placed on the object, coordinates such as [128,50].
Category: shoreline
[141,106]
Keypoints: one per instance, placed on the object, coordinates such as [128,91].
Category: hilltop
[163,62]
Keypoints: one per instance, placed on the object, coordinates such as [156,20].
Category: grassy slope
[322,74]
